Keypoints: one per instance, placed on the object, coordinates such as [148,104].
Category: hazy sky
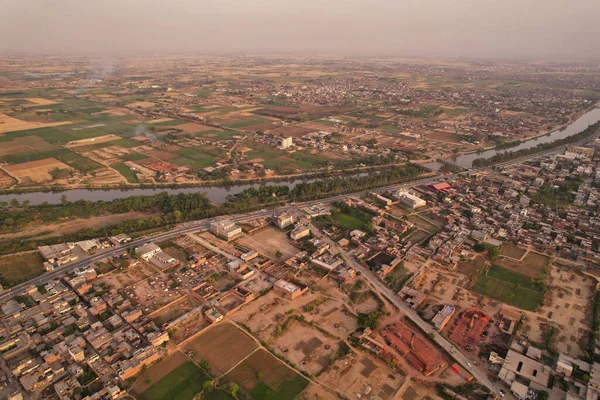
[496,28]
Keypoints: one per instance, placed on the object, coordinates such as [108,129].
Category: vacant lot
[17,268]
[36,171]
[158,371]
[509,287]
[223,345]
[277,382]
[192,127]
[306,347]
[423,223]
[512,251]
[268,241]
[471,267]
[535,260]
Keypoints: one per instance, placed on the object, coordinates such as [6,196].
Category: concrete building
[287,289]
[286,142]
[299,232]
[284,219]
[147,251]
[516,364]
[410,200]
[225,229]
[443,317]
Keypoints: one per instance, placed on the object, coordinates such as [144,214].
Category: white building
[410,200]
[225,229]
[147,251]
[286,142]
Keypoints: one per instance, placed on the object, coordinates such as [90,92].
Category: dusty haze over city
[508,28]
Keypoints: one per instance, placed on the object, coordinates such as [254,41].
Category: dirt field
[128,277]
[157,371]
[141,104]
[443,137]
[10,124]
[568,307]
[333,316]
[268,241]
[531,266]
[38,101]
[223,345]
[359,371]
[175,310]
[36,171]
[512,251]
[264,314]
[24,144]
[87,142]
[535,260]
[471,267]
[306,347]
[275,376]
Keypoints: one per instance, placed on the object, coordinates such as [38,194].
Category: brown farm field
[24,144]
[10,124]
[36,171]
[192,127]
[223,345]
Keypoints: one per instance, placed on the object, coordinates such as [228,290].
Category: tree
[207,386]
[234,389]
[204,363]
[259,375]
[278,254]
[177,215]
[148,379]
[369,320]
[493,253]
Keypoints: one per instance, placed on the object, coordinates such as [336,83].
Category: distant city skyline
[527,29]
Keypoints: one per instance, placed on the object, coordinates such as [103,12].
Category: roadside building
[299,232]
[443,317]
[284,219]
[225,229]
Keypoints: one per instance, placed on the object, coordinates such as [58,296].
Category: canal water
[218,194]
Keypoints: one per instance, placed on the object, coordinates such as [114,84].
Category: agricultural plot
[126,172]
[423,223]
[194,156]
[182,383]
[509,287]
[36,171]
[17,268]
[223,345]
[277,381]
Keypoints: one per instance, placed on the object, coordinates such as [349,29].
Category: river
[466,161]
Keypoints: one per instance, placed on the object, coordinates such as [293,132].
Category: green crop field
[126,172]
[347,220]
[78,162]
[246,122]
[194,156]
[183,383]
[509,287]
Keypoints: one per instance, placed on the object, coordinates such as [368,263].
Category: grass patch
[509,287]
[347,220]
[18,268]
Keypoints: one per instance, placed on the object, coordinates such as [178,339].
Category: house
[288,289]
[213,315]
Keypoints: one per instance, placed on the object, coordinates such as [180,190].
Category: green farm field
[509,287]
